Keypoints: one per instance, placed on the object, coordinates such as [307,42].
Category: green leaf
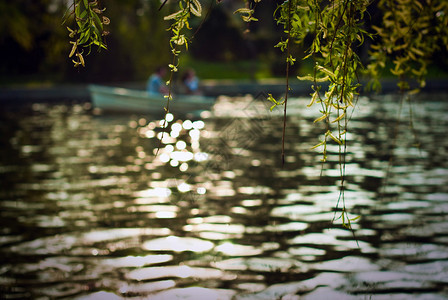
[318,145]
[323,117]
[355,218]
[97,21]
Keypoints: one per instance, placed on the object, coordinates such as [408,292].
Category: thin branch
[287,82]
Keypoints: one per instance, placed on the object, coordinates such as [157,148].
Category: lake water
[88,211]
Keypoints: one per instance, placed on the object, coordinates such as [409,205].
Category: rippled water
[88,211]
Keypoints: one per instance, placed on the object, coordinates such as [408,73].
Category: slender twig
[167,108]
[335,31]
[287,81]
[170,85]
[163,4]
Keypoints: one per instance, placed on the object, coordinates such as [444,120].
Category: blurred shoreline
[79,92]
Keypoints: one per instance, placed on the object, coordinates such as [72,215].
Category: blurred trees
[31,37]
[225,37]
[137,43]
[33,41]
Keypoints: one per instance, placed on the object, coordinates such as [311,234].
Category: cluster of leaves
[337,29]
[88,29]
[411,32]
[247,13]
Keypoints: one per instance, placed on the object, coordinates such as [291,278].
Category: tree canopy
[138,40]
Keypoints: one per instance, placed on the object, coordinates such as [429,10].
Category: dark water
[87,210]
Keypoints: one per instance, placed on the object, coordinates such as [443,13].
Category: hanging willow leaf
[318,145]
[173,15]
[89,29]
[81,59]
[74,47]
[326,71]
[243,11]
[196,8]
[334,138]
[340,117]
[313,98]
[313,78]
[323,117]
[246,14]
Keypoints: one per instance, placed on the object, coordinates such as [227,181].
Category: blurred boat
[119,99]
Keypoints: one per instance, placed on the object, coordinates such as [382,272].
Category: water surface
[88,210]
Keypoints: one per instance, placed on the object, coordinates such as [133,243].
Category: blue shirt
[192,84]
[154,84]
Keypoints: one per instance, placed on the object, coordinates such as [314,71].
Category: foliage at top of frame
[88,29]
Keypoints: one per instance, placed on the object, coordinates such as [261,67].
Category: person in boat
[156,84]
[190,82]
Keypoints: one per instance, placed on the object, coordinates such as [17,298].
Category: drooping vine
[179,26]
[87,29]
[180,23]
[336,29]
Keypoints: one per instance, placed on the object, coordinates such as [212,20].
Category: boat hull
[118,99]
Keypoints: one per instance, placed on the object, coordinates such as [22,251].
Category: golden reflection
[142,121]
[210,219]
[199,124]
[187,124]
[150,273]
[174,134]
[225,228]
[239,210]
[194,134]
[169,117]
[250,190]
[132,124]
[176,151]
[306,253]
[250,203]
[200,156]
[143,288]
[184,187]
[230,249]
[181,155]
[155,192]
[181,145]
[164,215]
[183,167]
[155,208]
[150,134]
[178,244]
[201,190]
[166,139]
[137,261]
[176,127]
[164,157]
